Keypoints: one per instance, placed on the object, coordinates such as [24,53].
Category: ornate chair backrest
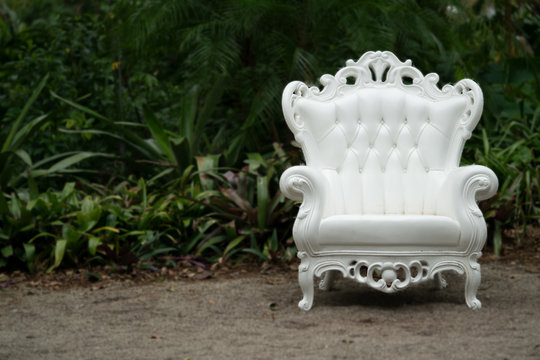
[383,134]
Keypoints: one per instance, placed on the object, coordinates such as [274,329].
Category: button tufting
[394,146]
[382,121]
[427,169]
[405,121]
[383,169]
[337,121]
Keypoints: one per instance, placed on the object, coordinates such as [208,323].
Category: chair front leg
[305,279]
[472,282]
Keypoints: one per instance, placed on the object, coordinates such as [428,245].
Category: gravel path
[256,317]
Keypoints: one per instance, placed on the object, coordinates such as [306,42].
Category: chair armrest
[299,181]
[302,183]
[460,192]
[465,186]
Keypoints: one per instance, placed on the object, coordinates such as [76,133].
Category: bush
[146,130]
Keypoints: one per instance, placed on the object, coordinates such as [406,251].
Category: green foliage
[78,52]
[66,48]
[511,147]
[12,173]
[124,225]
[508,138]
[175,106]
[248,212]
[11,144]
[260,46]
[130,223]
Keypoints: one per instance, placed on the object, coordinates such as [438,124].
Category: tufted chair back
[383,135]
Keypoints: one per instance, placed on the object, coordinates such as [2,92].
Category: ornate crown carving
[380,69]
[377,69]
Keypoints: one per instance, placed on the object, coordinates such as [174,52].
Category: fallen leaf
[155,336]
[270,315]
[7,283]
[203,275]
[275,280]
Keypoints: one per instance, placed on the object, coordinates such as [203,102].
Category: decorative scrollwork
[388,277]
[304,265]
[300,185]
[303,212]
[474,189]
[377,68]
[473,263]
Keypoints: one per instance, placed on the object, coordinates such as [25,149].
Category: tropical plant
[248,212]
[503,57]
[511,149]
[124,225]
[13,148]
[170,152]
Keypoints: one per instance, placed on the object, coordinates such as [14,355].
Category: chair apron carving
[384,200]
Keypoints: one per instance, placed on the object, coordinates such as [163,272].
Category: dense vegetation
[137,132]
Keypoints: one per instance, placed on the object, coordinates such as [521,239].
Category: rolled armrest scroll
[298,182]
[465,186]
[459,195]
[308,185]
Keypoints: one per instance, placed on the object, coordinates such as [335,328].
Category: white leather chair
[384,200]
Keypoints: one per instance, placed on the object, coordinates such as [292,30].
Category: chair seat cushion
[401,231]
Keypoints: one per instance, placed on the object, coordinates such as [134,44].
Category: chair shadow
[349,293]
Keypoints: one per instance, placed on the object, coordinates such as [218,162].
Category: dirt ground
[255,316]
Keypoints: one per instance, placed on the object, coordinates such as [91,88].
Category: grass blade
[71,160]
[161,138]
[25,109]
[59,251]
[80,107]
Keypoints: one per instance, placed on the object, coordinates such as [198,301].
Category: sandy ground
[255,316]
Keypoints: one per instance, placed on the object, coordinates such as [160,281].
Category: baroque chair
[384,200]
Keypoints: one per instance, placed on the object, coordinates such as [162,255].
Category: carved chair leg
[440,281]
[472,282]
[327,279]
[305,279]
